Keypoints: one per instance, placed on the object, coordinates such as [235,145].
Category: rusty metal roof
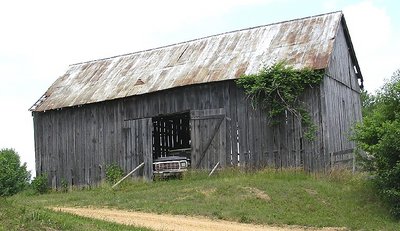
[305,42]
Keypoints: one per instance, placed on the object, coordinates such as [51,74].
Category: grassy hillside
[265,197]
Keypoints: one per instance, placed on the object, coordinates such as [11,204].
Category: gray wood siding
[137,143]
[77,143]
[341,99]
[208,130]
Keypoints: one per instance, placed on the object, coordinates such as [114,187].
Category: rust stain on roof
[306,42]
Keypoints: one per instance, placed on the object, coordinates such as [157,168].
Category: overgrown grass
[265,197]
[14,215]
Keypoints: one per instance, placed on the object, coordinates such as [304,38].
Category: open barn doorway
[171,144]
[171,135]
[195,138]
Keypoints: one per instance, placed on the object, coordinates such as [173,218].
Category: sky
[39,39]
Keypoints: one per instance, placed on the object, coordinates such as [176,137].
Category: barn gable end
[342,83]
[133,108]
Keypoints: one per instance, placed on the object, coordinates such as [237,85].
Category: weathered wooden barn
[136,107]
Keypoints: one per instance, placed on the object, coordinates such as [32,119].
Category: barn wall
[76,144]
[259,144]
[342,105]
[250,139]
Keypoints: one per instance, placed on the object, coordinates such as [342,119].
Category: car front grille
[167,166]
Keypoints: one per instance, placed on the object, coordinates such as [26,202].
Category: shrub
[113,173]
[39,184]
[13,176]
[378,136]
[64,185]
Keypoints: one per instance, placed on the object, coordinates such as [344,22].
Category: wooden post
[212,171]
[134,170]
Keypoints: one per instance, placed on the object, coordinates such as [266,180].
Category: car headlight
[183,164]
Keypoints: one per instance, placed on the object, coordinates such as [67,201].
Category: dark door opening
[171,135]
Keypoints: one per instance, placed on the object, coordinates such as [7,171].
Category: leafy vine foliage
[276,89]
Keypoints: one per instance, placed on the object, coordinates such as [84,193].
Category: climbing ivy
[276,89]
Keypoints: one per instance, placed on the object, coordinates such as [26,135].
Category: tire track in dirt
[174,222]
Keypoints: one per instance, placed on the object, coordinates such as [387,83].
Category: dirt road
[173,222]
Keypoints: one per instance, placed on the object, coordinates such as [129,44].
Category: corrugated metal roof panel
[302,42]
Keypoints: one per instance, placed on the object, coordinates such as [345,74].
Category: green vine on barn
[276,89]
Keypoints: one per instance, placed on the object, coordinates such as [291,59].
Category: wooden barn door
[208,138]
[139,146]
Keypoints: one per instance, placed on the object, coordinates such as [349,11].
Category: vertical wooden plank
[226,159]
[146,129]
[297,140]
[118,133]
[195,136]
[324,122]
[289,140]
[98,162]
[207,127]
[250,137]
[127,137]
[242,126]
[264,139]
[138,157]
[36,141]
[234,122]
[223,147]
[85,140]
[88,120]
[284,141]
[318,121]
[53,149]
[68,146]
[149,150]
[139,143]
[277,146]
[258,138]
[130,137]
[102,142]
[58,148]
[78,148]
[48,165]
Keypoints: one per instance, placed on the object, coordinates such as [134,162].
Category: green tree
[368,102]
[13,176]
[379,137]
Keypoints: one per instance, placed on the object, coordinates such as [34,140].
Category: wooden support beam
[134,170]
[212,171]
